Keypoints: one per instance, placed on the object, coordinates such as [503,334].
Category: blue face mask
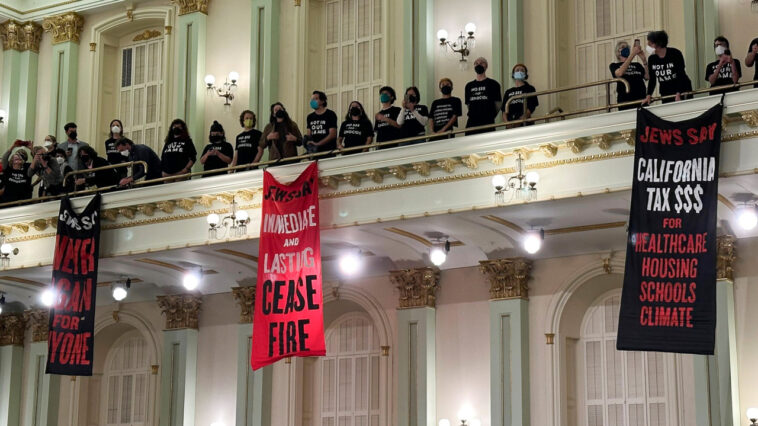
[625,52]
[519,75]
[314,104]
[384,98]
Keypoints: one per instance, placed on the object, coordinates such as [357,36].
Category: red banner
[288,317]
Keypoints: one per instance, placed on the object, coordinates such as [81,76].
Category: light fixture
[752,415]
[120,289]
[466,413]
[191,279]
[2,302]
[747,216]
[47,298]
[438,252]
[350,263]
[462,46]
[523,186]
[226,90]
[3,116]
[533,240]
[6,250]
[234,225]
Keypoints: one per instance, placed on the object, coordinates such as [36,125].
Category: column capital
[38,321]
[12,327]
[21,36]
[245,297]
[64,27]
[192,6]
[508,277]
[418,287]
[181,310]
[726,254]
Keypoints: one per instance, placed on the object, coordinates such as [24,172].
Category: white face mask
[60,160]
[116,130]
[47,143]
[720,50]
[649,50]
[125,153]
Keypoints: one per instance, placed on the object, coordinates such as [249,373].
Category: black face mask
[85,159]
[355,111]
[72,135]
[446,90]
[412,99]
[479,69]
[176,131]
[279,114]
[216,138]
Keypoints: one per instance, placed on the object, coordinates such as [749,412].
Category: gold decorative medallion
[65,27]
[508,277]
[418,287]
[245,297]
[181,310]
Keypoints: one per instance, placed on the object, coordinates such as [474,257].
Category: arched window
[126,379]
[620,388]
[141,84]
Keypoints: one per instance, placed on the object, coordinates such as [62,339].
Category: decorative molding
[750,117]
[21,36]
[576,145]
[12,328]
[181,310]
[399,172]
[154,369]
[448,164]
[549,338]
[726,255]
[329,182]
[385,350]
[602,140]
[354,179]
[628,136]
[472,161]
[168,29]
[376,175]
[496,157]
[607,266]
[147,35]
[65,27]
[38,321]
[423,168]
[418,287]
[40,225]
[508,277]
[549,150]
[245,297]
[191,6]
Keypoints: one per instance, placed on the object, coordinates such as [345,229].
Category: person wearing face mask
[47,170]
[111,153]
[281,136]
[482,95]
[634,73]
[752,55]
[247,141]
[666,66]
[446,110]
[179,153]
[218,153]
[72,145]
[724,71]
[385,121]
[413,117]
[516,110]
[99,178]
[356,130]
[17,180]
[50,143]
[59,156]
[321,131]
[138,152]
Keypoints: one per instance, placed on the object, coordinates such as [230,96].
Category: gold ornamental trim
[191,6]
[147,35]
[65,27]
[508,278]
[726,254]
[37,321]
[181,310]
[12,328]
[21,36]
[418,287]
[245,297]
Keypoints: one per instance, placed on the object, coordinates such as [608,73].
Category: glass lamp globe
[6,249]
[242,216]
[470,28]
[752,413]
[119,293]
[234,77]
[498,181]
[3,114]
[532,177]
[442,35]
[213,219]
[210,80]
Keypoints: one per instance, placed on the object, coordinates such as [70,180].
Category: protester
[666,66]
[247,141]
[725,71]
[47,169]
[116,132]
[385,121]
[482,97]
[516,110]
[281,135]
[100,178]
[634,73]
[72,145]
[752,52]
[17,181]
[321,129]
[413,117]
[356,130]
[59,156]
[445,110]
[179,153]
[218,154]
[135,152]
[50,143]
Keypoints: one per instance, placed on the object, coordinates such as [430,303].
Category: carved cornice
[147,35]
[508,277]
[726,255]
[245,297]
[418,287]
[12,327]
[192,6]
[181,310]
[37,320]
[21,36]
[65,27]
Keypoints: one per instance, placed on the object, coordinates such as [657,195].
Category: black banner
[668,302]
[70,341]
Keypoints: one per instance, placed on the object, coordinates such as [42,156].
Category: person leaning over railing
[516,110]
[752,52]
[17,181]
[445,110]
[725,71]
[247,141]
[634,73]
[666,66]
[281,136]
[135,152]
[179,153]
[48,171]
[356,130]
[482,97]
[385,121]
[413,116]
[116,132]
[101,178]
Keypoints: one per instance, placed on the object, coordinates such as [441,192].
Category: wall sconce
[227,90]
[6,249]
[3,117]
[463,45]
[235,224]
[524,186]
[752,415]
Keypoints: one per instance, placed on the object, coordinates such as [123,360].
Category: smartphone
[636,42]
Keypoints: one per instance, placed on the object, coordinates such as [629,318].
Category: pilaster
[416,321]
[179,359]
[12,327]
[40,406]
[65,30]
[507,38]
[509,339]
[264,55]
[418,56]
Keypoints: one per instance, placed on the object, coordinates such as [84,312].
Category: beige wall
[737,22]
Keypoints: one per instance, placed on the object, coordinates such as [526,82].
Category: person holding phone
[17,181]
[635,73]
[752,53]
[726,70]
[413,116]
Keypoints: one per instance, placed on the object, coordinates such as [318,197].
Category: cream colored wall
[745,300]
[737,22]
[44,83]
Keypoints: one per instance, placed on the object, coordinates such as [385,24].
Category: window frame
[117,348]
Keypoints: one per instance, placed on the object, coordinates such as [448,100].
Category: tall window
[353,52]
[600,24]
[127,376]
[621,388]
[140,91]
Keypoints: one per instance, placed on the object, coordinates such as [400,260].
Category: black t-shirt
[669,72]
[750,49]
[412,127]
[384,131]
[176,154]
[635,76]
[319,126]
[482,98]
[725,75]
[18,186]
[247,146]
[100,178]
[516,108]
[112,154]
[355,133]
[443,110]
[213,162]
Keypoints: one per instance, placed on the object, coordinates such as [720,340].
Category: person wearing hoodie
[219,153]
